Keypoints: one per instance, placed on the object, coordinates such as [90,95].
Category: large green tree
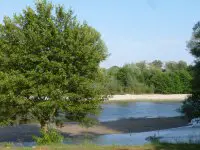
[191,106]
[49,67]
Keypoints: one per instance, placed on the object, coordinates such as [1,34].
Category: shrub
[50,137]
[191,107]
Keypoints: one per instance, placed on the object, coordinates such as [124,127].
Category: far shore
[148,97]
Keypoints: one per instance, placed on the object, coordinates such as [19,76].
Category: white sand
[153,97]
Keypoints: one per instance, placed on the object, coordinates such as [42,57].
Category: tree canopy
[154,77]
[191,106]
[49,66]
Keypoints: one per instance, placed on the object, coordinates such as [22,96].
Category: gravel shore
[149,97]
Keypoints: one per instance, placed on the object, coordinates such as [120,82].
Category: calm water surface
[116,111]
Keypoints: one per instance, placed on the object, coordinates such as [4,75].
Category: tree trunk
[44,126]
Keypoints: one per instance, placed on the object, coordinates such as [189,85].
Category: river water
[119,110]
[186,134]
[116,111]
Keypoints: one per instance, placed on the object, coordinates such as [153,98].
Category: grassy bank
[95,147]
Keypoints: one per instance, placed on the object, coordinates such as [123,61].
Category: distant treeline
[155,77]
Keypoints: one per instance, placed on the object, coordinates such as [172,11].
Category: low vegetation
[52,136]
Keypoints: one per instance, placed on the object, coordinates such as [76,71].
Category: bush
[49,137]
[191,107]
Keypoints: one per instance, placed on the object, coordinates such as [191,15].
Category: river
[116,111]
[122,110]
[119,110]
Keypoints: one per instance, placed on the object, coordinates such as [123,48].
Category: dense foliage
[154,77]
[49,67]
[191,106]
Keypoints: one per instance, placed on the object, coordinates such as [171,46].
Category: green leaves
[49,62]
[191,106]
[49,137]
[149,78]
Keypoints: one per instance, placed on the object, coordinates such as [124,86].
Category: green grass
[95,147]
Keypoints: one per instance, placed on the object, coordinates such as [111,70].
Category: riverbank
[130,125]
[149,97]
[24,132]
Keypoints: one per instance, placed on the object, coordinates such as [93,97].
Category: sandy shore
[131,125]
[149,97]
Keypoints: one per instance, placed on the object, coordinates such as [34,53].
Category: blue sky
[133,30]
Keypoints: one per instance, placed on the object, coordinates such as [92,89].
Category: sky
[133,30]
